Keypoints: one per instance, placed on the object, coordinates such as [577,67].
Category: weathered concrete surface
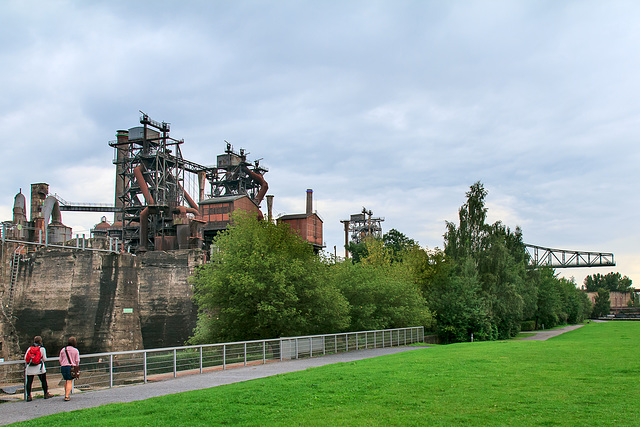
[109,302]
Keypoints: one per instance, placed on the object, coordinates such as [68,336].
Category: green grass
[524,335]
[585,377]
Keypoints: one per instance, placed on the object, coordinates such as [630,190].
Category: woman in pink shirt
[69,356]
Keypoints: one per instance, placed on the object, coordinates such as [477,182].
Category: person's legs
[67,388]
[45,386]
[29,384]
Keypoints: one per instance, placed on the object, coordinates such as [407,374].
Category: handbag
[75,369]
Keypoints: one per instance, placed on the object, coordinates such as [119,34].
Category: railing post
[264,352]
[200,359]
[297,355]
[366,340]
[224,356]
[144,367]
[405,337]
[175,363]
[382,339]
[281,349]
[324,345]
[245,354]
[346,342]
[110,370]
[310,347]
[335,340]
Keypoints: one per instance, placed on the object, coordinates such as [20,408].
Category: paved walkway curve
[549,333]
[12,412]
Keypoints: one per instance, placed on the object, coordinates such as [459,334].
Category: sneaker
[48,395]
[29,398]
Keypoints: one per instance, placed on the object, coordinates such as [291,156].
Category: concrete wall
[108,302]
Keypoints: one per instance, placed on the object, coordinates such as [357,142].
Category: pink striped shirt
[74,354]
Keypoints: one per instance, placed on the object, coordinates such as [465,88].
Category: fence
[105,370]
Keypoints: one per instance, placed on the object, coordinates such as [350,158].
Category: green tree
[614,282]
[602,304]
[549,299]
[379,296]
[398,244]
[264,282]
[500,259]
[454,295]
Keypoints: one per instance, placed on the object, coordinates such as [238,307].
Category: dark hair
[72,341]
[37,340]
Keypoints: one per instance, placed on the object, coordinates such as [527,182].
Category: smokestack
[121,152]
[309,201]
[269,207]
[202,178]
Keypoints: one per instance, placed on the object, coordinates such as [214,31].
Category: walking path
[549,333]
[22,411]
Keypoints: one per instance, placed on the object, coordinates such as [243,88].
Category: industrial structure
[156,189]
[154,211]
[359,226]
[307,225]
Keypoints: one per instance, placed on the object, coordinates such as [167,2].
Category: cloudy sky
[396,106]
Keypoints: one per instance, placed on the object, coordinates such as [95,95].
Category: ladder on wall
[15,268]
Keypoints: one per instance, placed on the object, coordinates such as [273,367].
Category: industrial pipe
[264,187]
[184,210]
[137,172]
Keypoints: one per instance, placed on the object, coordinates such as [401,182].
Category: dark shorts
[66,372]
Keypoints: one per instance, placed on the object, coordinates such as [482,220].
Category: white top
[37,369]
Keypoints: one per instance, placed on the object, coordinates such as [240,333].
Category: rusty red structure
[307,225]
[153,208]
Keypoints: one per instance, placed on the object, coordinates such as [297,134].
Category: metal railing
[80,242]
[105,370]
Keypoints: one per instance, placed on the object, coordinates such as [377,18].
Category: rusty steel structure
[153,209]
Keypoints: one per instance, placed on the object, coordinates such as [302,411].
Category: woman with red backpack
[34,359]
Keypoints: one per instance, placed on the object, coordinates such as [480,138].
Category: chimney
[121,153]
[270,207]
[309,201]
[202,179]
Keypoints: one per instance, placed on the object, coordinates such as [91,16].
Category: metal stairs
[15,268]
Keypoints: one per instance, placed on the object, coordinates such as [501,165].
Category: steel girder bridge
[559,258]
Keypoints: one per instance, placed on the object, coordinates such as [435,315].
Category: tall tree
[264,282]
[602,303]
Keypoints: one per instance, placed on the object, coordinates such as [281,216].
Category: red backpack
[34,356]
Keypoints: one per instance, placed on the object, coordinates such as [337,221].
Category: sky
[397,106]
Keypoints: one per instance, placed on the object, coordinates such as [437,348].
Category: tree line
[264,281]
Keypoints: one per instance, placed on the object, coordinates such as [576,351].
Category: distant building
[307,225]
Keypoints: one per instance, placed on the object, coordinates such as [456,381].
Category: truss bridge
[560,258]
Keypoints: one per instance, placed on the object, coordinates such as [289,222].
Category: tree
[602,304]
[398,244]
[454,295]
[614,282]
[264,282]
[500,258]
[379,296]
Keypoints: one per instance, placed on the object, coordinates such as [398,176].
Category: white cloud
[398,107]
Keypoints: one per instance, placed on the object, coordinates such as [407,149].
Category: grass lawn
[590,376]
